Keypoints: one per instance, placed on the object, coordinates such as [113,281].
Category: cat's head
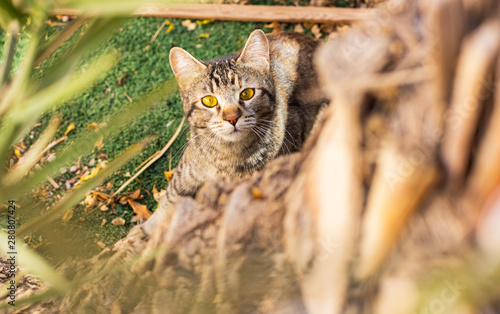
[227,96]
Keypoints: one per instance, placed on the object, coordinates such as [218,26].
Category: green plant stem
[10,49]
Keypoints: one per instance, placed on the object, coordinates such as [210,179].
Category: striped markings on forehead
[221,74]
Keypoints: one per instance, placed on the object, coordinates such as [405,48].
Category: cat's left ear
[256,51]
[184,65]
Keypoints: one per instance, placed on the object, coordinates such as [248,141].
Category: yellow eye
[247,94]
[209,101]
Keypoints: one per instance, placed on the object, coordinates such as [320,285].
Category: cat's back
[292,63]
[285,44]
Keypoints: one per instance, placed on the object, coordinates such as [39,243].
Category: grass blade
[71,199]
[33,263]
[30,158]
[86,143]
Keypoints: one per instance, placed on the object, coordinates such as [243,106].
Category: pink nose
[232,120]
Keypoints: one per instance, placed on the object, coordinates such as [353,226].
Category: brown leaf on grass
[121,80]
[122,199]
[140,210]
[299,28]
[100,244]
[100,196]
[118,221]
[92,125]
[168,174]
[128,97]
[274,25]
[189,25]
[327,28]
[90,200]
[154,190]
[67,215]
[316,31]
[52,23]
[135,195]
[104,221]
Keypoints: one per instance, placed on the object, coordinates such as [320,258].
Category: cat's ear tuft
[184,65]
[256,51]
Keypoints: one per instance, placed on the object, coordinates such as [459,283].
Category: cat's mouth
[236,133]
[233,134]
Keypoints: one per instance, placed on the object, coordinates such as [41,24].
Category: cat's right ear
[256,51]
[184,65]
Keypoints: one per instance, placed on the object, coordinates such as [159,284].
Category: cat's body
[243,109]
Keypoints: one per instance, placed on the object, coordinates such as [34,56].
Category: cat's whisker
[285,139]
[186,145]
[265,129]
[205,143]
[292,142]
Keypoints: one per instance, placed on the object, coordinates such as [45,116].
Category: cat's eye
[247,94]
[209,101]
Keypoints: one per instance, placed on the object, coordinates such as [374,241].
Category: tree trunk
[390,208]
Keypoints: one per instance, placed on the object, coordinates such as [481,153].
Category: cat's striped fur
[237,136]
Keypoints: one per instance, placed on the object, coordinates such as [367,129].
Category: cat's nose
[231,116]
[232,120]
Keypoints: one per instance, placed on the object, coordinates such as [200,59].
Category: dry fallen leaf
[316,31]
[104,208]
[100,244]
[52,23]
[91,175]
[168,175]
[92,125]
[121,80]
[122,199]
[299,28]
[67,215]
[204,35]
[70,128]
[101,196]
[104,221]
[203,22]
[135,195]
[274,25]
[189,25]
[140,210]
[170,27]
[90,200]
[118,221]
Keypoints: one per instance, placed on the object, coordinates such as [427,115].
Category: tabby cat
[243,109]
